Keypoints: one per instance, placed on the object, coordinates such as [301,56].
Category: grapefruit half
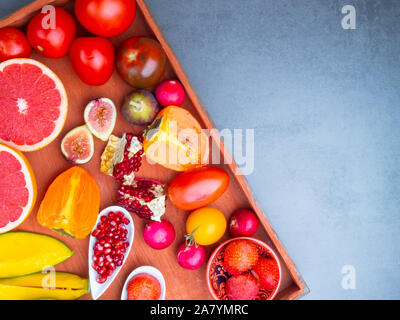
[17,188]
[33,104]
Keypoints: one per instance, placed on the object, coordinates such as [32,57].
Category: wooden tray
[49,162]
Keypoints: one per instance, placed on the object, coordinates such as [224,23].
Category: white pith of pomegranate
[145,197]
[127,159]
[111,245]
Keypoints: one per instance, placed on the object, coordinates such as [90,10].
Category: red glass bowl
[216,275]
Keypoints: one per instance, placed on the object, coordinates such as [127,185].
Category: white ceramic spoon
[96,288]
[149,270]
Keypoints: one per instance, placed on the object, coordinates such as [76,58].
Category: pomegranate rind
[30,184]
[156,207]
[59,123]
[72,156]
[100,130]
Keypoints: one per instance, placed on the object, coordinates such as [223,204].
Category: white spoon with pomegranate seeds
[110,242]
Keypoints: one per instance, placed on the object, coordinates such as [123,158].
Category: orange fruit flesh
[176,140]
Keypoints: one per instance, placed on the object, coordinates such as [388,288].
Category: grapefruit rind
[30,180]
[59,123]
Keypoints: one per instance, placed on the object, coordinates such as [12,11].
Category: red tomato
[107,18]
[13,44]
[52,43]
[92,59]
[198,188]
[141,62]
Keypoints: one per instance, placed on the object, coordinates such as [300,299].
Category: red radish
[191,257]
[170,93]
[243,222]
[159,235]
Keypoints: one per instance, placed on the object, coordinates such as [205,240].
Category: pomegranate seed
[103,219]
[109,272]
[109,258]
[119,263]
[100,226]
[107,245]
[95,233]
[118,244]
[109,240]
[97,252]
[107,251]
[111,215]
[111,266]
[98,246]
[126,221]
[101,279]
[95,266]
[102,270]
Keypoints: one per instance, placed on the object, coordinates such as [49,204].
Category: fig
[140,107]
[77,146]
[100,115]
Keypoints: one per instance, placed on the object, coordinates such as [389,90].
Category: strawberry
[240,256]
[267,272]
[143,287]
[242,287]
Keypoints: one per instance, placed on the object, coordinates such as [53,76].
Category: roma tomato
[107,18]
[92,59]
[52,43]
[198,188]
[141,61]
[13,44]
[206,225]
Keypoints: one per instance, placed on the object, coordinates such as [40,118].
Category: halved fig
[78,146]
[100,115]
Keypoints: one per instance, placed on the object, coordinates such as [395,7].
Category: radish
[170,92]
[191,256]
[159,235]
[243,222]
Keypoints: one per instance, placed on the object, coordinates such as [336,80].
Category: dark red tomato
[13,44]
[92,59]
[52,43]
[141,62]
[198,188]
[107,18]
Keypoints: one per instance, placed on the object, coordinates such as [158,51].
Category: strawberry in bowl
[243,268]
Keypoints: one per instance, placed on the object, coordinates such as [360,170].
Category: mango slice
[24,253]
[44,286]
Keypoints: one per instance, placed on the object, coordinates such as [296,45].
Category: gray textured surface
[325,106]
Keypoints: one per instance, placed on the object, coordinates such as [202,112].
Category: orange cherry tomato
[206,225]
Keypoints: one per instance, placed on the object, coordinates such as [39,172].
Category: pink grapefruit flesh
[17,188]
[33,104]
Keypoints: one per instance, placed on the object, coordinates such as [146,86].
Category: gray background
[324,103]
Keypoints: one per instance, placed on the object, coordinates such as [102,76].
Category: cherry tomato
[206,225]
[52,43]
[92,59]
[141,62]
[13,44]
[197,188]
[107,18]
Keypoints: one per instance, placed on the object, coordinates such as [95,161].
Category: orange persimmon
[176,140]
[71,203]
